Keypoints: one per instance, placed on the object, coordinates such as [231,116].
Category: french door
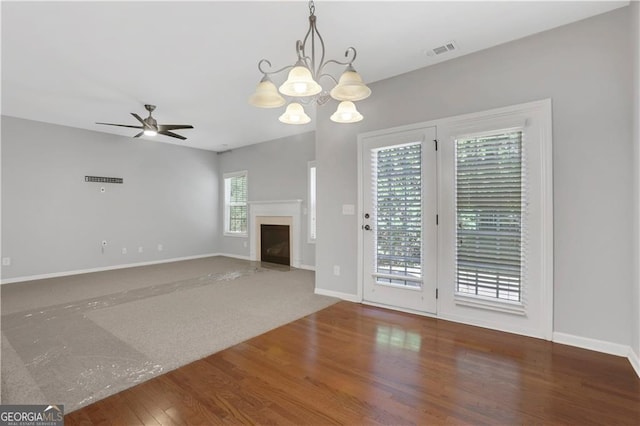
[399,234]
[472,220]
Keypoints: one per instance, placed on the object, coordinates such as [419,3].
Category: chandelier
[303,82]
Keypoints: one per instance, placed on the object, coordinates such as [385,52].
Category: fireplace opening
[274,244]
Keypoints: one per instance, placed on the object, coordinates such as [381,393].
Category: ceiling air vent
[447,47]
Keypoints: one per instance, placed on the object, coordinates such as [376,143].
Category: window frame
[227,203]
[312,204]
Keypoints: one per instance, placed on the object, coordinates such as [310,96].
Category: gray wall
[277,171]
[53,221]
[635,39]
[585,68]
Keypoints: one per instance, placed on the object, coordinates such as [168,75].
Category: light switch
[348,209]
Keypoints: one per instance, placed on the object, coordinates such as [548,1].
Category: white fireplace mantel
[279,208]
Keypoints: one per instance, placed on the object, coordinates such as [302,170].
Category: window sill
[236,234]
[516,308]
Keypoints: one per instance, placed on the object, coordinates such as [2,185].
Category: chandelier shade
[346,113]
[300,83]
[350,87]
[266,95]
[307,79]
[294,114]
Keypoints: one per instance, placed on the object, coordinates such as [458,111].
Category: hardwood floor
[356,364]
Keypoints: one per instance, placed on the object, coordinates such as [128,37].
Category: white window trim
[310,216]
[226,176]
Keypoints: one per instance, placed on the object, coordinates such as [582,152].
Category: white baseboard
[102,268]
[634,359]
[591,344]
[308,267]
[344,296]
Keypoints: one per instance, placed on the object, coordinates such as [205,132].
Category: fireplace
[285,212]
[274,244]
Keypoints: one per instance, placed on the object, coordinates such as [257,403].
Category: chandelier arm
[321,65]
[301,45]
[301,55]
[266,61]
[346,54]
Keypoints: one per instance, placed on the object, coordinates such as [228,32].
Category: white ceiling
[75,63]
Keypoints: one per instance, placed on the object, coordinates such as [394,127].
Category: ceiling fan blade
[173,135]
[139,134]
[138,117]
[121,125]
[163,127]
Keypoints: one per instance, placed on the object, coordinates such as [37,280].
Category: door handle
[366,227]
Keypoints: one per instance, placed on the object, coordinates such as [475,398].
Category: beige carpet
[75,340]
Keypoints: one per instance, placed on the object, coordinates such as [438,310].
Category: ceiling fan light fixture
[346,113]
[294,114]
[266,95]
[150,127]
[350,87]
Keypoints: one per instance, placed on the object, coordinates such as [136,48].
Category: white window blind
[236,203]
[489,213]
[398,221]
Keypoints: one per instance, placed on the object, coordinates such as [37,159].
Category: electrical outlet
[6,261]
[140,249]
[160,248]
[336,270]
[124,250]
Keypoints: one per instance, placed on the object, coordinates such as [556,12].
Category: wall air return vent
[102,179]
[445,48]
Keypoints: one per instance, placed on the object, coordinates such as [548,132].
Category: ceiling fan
[150,126]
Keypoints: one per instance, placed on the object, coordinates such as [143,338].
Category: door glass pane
[398,214]
[489,216]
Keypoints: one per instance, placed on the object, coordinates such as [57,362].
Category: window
[398,198]
[489,211]
[235,203]
[312,201]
